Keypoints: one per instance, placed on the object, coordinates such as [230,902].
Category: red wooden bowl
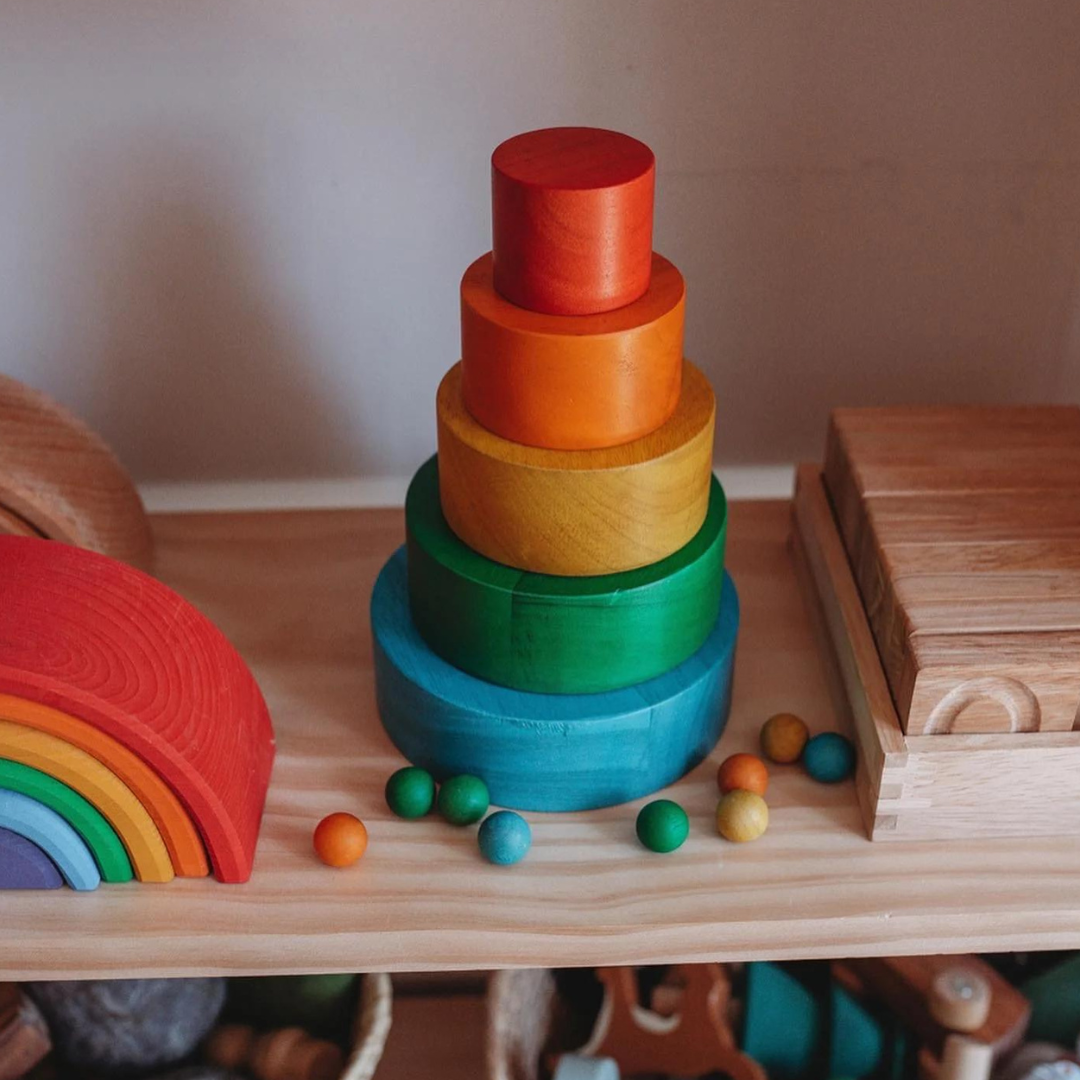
[572,212]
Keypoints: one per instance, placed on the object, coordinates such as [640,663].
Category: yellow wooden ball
[783,738]
[741,816]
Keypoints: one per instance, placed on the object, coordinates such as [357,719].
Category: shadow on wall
[197,358]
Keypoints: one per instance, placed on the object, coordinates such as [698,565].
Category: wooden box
[962,527]
[937,786]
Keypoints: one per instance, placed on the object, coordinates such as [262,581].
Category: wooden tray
[938,786]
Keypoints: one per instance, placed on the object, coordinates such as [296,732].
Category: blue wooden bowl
[547,751]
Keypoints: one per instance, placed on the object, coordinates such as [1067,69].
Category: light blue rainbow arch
[35,822]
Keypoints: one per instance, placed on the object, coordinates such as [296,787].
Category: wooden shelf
[291,590]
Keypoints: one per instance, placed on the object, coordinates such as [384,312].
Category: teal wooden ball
[410,792]
[829,757]
[463,800]
[662,826]
[504,838]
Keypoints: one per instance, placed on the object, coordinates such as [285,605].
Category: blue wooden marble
[544,751]
[50,832]
[24,865]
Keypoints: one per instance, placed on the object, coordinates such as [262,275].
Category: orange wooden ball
[742,772]
[783,738]
[572,216]
[340,839]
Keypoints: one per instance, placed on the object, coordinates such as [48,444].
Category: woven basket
[372,1027]
[519,1014]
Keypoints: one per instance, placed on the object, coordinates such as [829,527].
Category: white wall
[231,232]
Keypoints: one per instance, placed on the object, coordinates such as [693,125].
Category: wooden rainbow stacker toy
[559,622]
[944,545]
[134,741]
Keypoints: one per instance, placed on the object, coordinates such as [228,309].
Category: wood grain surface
[185,846]
[572,382]
[572,218]
[13,525]
[558,635]
[922,450]
[61,480]
[941,786]
[99,836]
[54,836]
[95,783]
[547,751]
[291,590]
[963,529]
[23,865]
[101,641]
[577,512]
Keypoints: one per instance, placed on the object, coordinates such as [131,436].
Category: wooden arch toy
[86,775]
[120,651]
[185,847]
[50,832]
[23,865]
[60,480]
[100,837]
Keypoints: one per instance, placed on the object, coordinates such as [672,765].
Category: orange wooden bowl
[572,383]
[572,212]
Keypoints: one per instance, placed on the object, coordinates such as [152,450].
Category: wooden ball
[571,215]
[742,772]
[463,800]
[783,738]
[742,816]
[504,838]
[340,839]
[410,792]
[662,826]
[829,757]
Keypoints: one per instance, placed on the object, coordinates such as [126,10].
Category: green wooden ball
[410,792]
[463,800]
[829,757]
[662,825]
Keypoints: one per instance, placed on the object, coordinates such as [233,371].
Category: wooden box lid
[962,526]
